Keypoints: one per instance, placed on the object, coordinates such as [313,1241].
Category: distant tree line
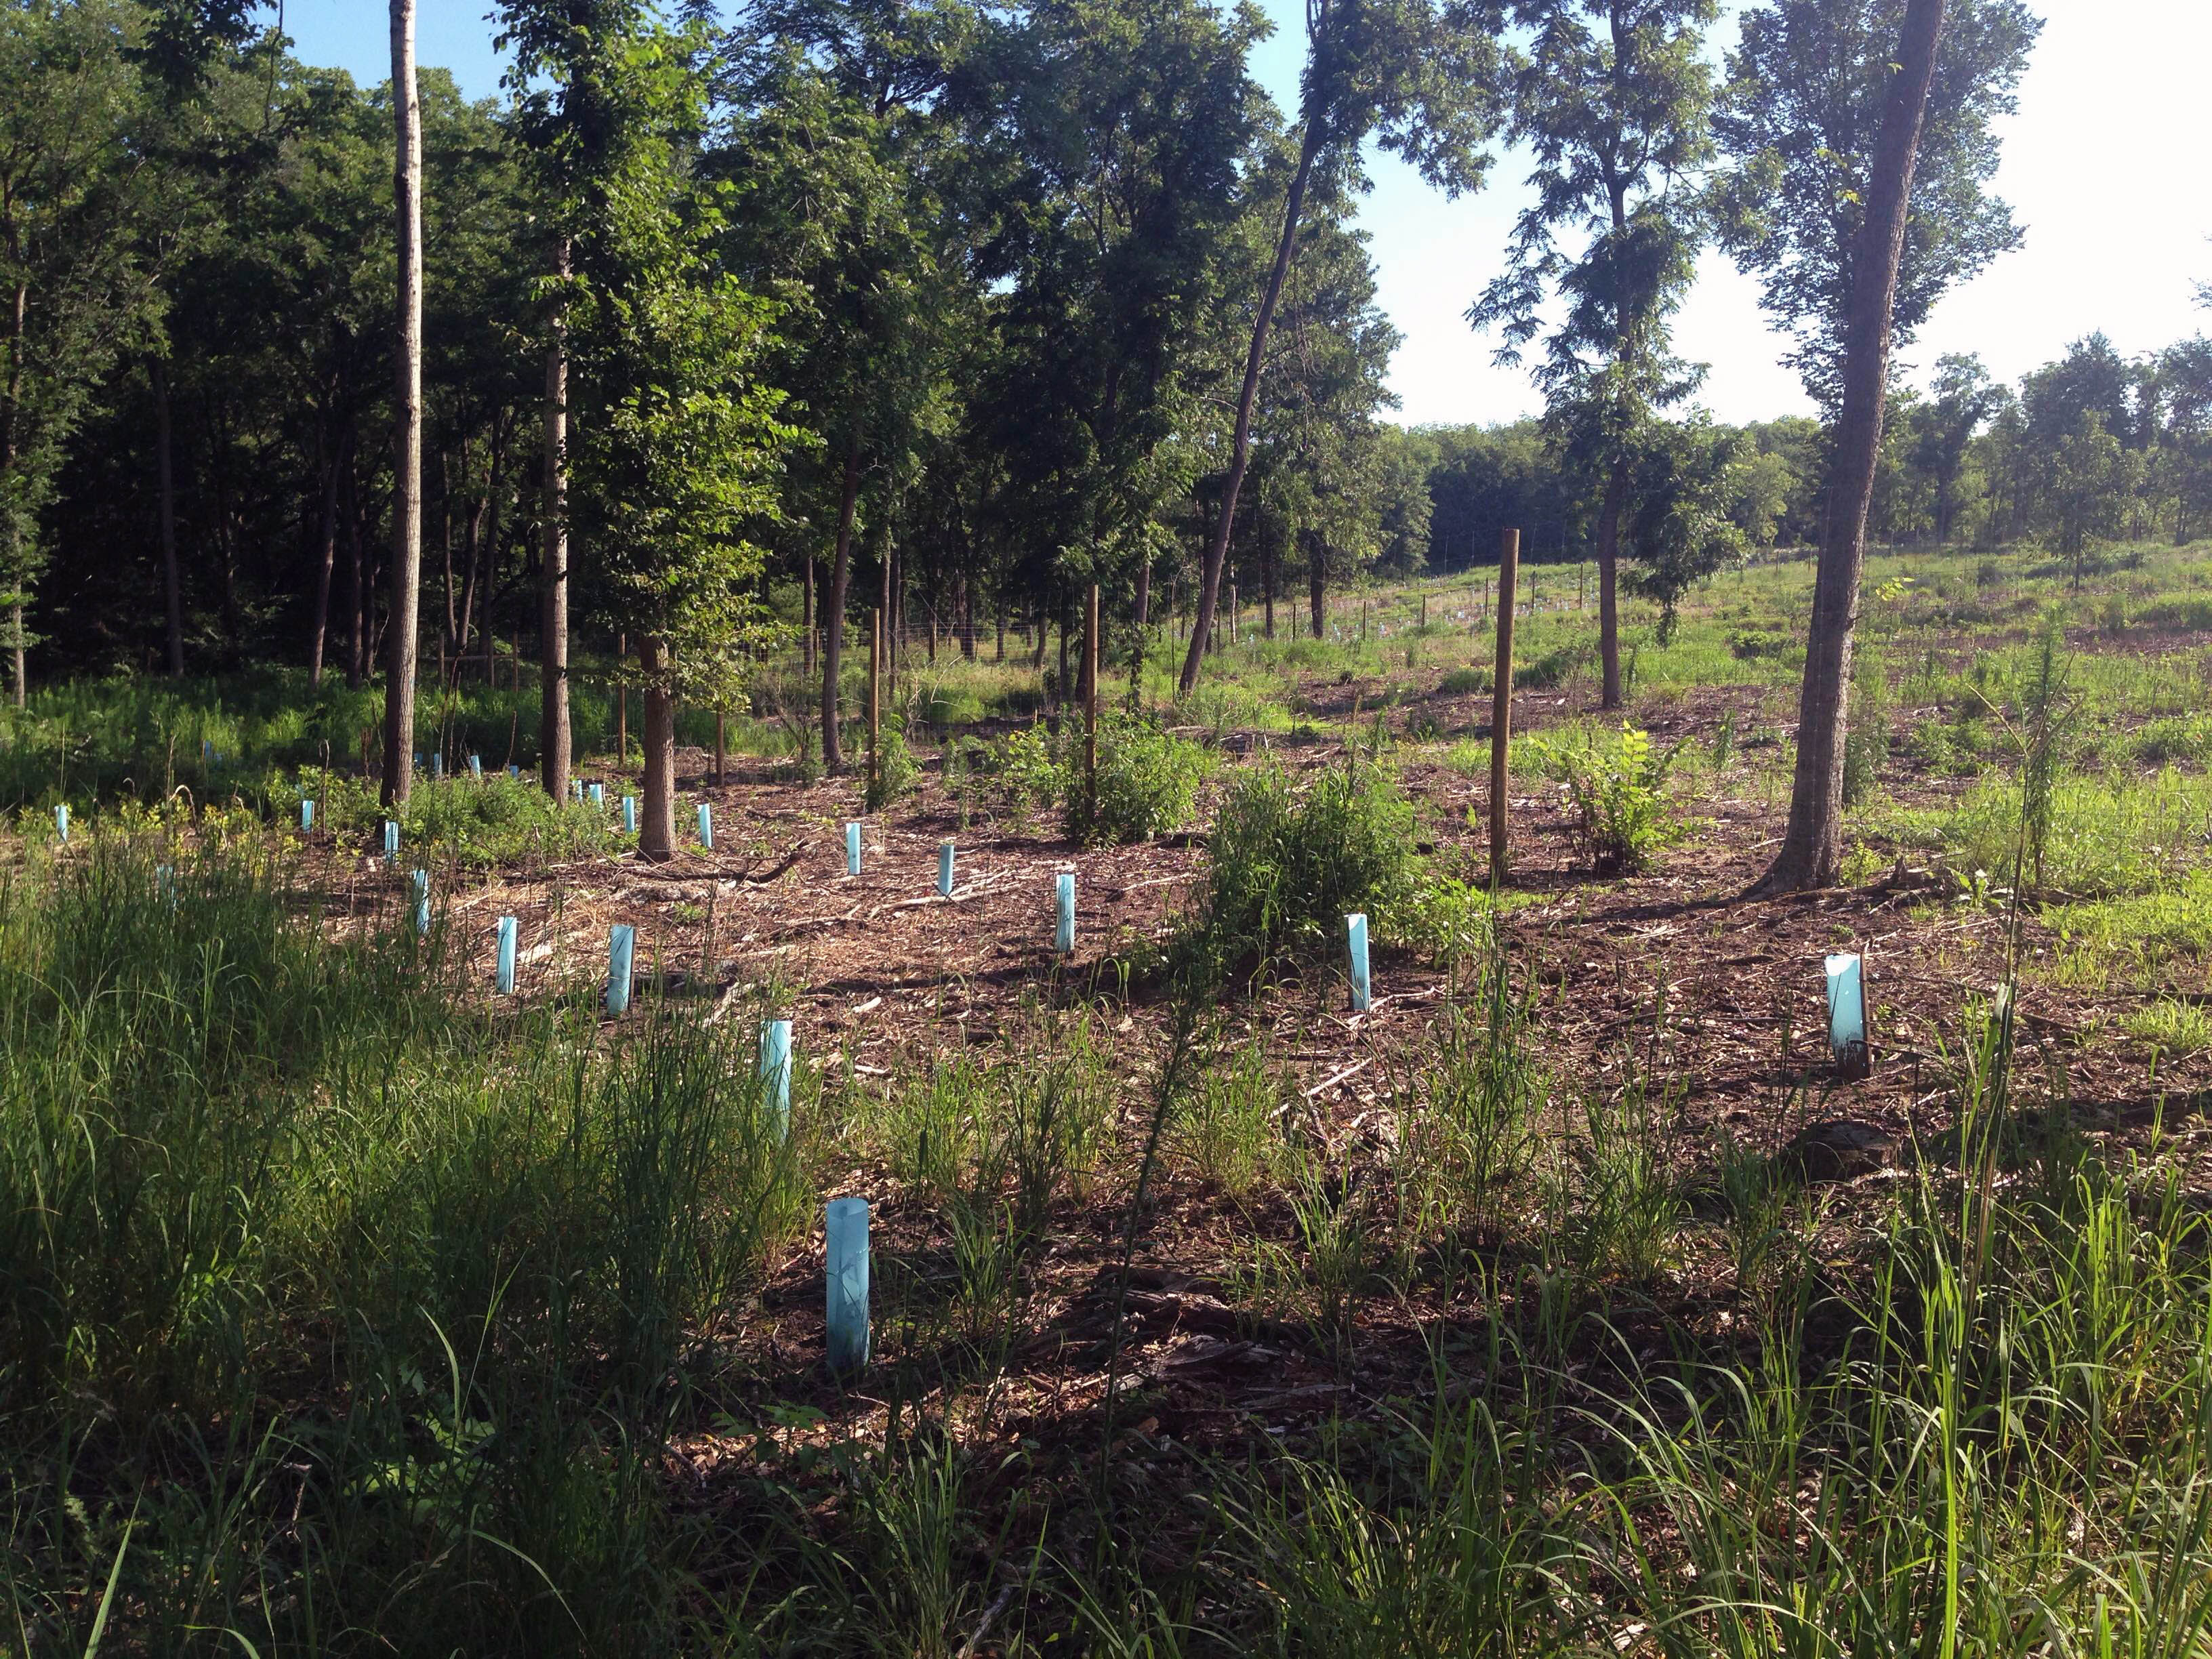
[729,326]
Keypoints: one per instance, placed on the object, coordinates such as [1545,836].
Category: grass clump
[1287,866]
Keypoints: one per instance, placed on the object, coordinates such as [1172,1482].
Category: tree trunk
[1812,844]
[329,554]
[833,612]
[806,614]
[656,830]
[1608,581]
[553,735]
[407,413]
[356,583]
[1317,578]
[1144,611]
[1268,583]
[622,702]
[21,663]
[1240,451]
[171,581]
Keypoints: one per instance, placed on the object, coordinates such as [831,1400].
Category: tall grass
[352,1306]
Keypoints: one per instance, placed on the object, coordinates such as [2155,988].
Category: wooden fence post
[1501,706]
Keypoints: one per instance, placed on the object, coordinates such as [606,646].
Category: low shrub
[894,775]
[1288,867]
[1617,792]
[1147,783]
[1465,683]
[1758,644]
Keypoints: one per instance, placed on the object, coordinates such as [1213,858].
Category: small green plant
[1617,792]
[2179,1028]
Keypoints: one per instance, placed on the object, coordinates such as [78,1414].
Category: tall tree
[1812,843]
[1614,97]
[1806,98]
[1422,78]
[407,414]
[844,150]
[1964,398]
[676,448]
[75,287]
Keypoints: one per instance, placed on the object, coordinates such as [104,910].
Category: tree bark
[656,830]
[833,612]
[553,737]
[1812,844]
[356,583]
[407,414]
[171,581]
[1240,450]
[1608,581]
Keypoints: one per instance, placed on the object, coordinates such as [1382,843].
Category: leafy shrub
[1465,682]
[895,772]
[1618,793]
[1024,768]
[1147,782]
[1287,868]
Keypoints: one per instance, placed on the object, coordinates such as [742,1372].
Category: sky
[2098,165]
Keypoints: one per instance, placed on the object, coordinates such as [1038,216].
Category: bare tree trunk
[1608,580]
[1317,580]
[806,614]
[1812,844]
[656,830]
[22,666]
[329,554]
[1144,611]
[833,613]
[553,738]
[1240,451]
[621,700]
[356,583]
[407,414]
[171,581]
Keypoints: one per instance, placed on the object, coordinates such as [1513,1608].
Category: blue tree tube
[1847,1035]
[945,855]
[165,883]
[1063,935]
[707,826]
[61,822]
[629,815]
[852,850]
[418,760]
[507,931]
[438,764]
[622,953]
[599,797]
[419,883]
[848,1282]
[476,767]
[576,790]
[775,1071]
[307,817]
[1355,945]
[514,771]
[391,840]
